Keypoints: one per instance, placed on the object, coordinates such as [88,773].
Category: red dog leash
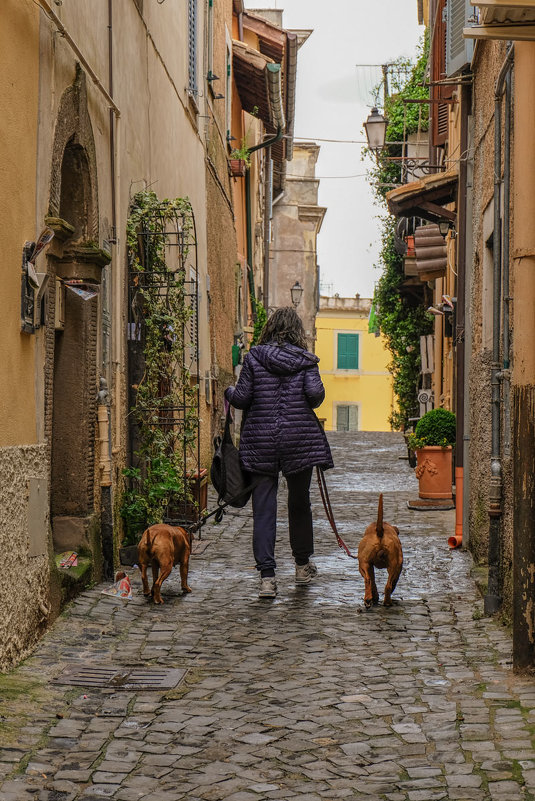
[329,512]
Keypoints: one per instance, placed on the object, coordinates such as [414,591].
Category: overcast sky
[332,103]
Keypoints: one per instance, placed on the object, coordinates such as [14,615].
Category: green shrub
[436,427]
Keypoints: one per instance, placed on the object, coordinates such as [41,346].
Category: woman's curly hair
[284,326]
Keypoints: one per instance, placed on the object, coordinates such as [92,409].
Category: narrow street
[305,697]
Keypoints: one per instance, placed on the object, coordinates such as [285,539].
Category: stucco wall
[24,579]
[489,60]
[18,112]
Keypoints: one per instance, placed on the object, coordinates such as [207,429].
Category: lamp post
[375,127]
[296,291]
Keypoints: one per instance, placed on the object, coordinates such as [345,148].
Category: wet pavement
[307,696]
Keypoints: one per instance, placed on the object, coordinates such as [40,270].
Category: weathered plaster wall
[18,112]
[24,579]
[489,60]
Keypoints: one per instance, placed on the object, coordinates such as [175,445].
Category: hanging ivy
[165,409]
[401,321]
[401,324]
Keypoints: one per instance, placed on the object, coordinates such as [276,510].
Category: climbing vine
[165,410]
[402,321]
[402,324]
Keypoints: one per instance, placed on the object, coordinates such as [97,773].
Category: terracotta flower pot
[433,471]
[237,168]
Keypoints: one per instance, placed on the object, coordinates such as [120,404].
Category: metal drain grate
[120,677]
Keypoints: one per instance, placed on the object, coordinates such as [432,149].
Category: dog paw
[367,603]
[185,590]
[158,600]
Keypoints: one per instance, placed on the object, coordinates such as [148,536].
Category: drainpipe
[275,97]
[248,215]
[492,598]
[268,211]
[468,326]
[460,322]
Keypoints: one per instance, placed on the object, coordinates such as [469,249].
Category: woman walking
[278,387]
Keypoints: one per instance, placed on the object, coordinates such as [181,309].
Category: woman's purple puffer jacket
[278,387]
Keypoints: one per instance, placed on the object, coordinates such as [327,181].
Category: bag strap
[226,431]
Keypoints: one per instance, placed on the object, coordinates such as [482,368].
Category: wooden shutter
[348,352]
[459,51]
[342,418]
[439,111]
[192,46]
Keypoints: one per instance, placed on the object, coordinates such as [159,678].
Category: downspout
[268,196]
[248,216]
[493,598]
[505,375]
[460,322]
[468,326]
[275,97]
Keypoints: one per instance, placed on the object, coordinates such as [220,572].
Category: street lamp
[375,127]
[296,291]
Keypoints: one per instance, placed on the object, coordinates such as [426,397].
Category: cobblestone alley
[304,697]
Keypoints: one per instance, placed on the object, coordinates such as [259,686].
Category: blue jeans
[265,519]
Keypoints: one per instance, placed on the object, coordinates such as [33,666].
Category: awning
[511,20]
[281,47]
[258,82]
[425,198]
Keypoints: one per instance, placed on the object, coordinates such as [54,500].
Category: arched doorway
[73,331]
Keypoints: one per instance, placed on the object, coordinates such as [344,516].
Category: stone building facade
[297,220]
[99,101]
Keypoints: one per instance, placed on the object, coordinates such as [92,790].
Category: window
[347,417]
[348,352]
[441,92]
[192,47]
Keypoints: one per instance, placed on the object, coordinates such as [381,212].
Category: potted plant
[240,157]
[433,440]
[240,160]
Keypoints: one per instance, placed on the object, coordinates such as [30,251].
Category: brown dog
[164,546]
[380,547]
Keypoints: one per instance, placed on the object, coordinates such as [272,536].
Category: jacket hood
[283,359]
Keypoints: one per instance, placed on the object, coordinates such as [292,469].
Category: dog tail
[379,526]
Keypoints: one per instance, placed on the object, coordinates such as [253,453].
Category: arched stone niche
[74,157]
[72,346]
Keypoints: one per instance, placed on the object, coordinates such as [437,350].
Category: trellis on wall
[163,361]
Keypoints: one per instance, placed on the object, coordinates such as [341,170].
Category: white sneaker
[268,587]
[305,573]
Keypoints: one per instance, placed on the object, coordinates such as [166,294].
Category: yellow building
[353,367]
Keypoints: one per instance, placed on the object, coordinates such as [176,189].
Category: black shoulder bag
[233,484]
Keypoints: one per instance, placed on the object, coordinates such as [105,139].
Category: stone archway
[72,332]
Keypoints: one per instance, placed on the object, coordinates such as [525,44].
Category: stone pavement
[304,697]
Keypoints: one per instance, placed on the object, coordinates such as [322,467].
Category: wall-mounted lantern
[296,291]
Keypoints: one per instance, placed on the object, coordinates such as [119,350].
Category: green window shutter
[348,352]
[342,418]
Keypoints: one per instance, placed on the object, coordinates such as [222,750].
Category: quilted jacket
[278,387]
